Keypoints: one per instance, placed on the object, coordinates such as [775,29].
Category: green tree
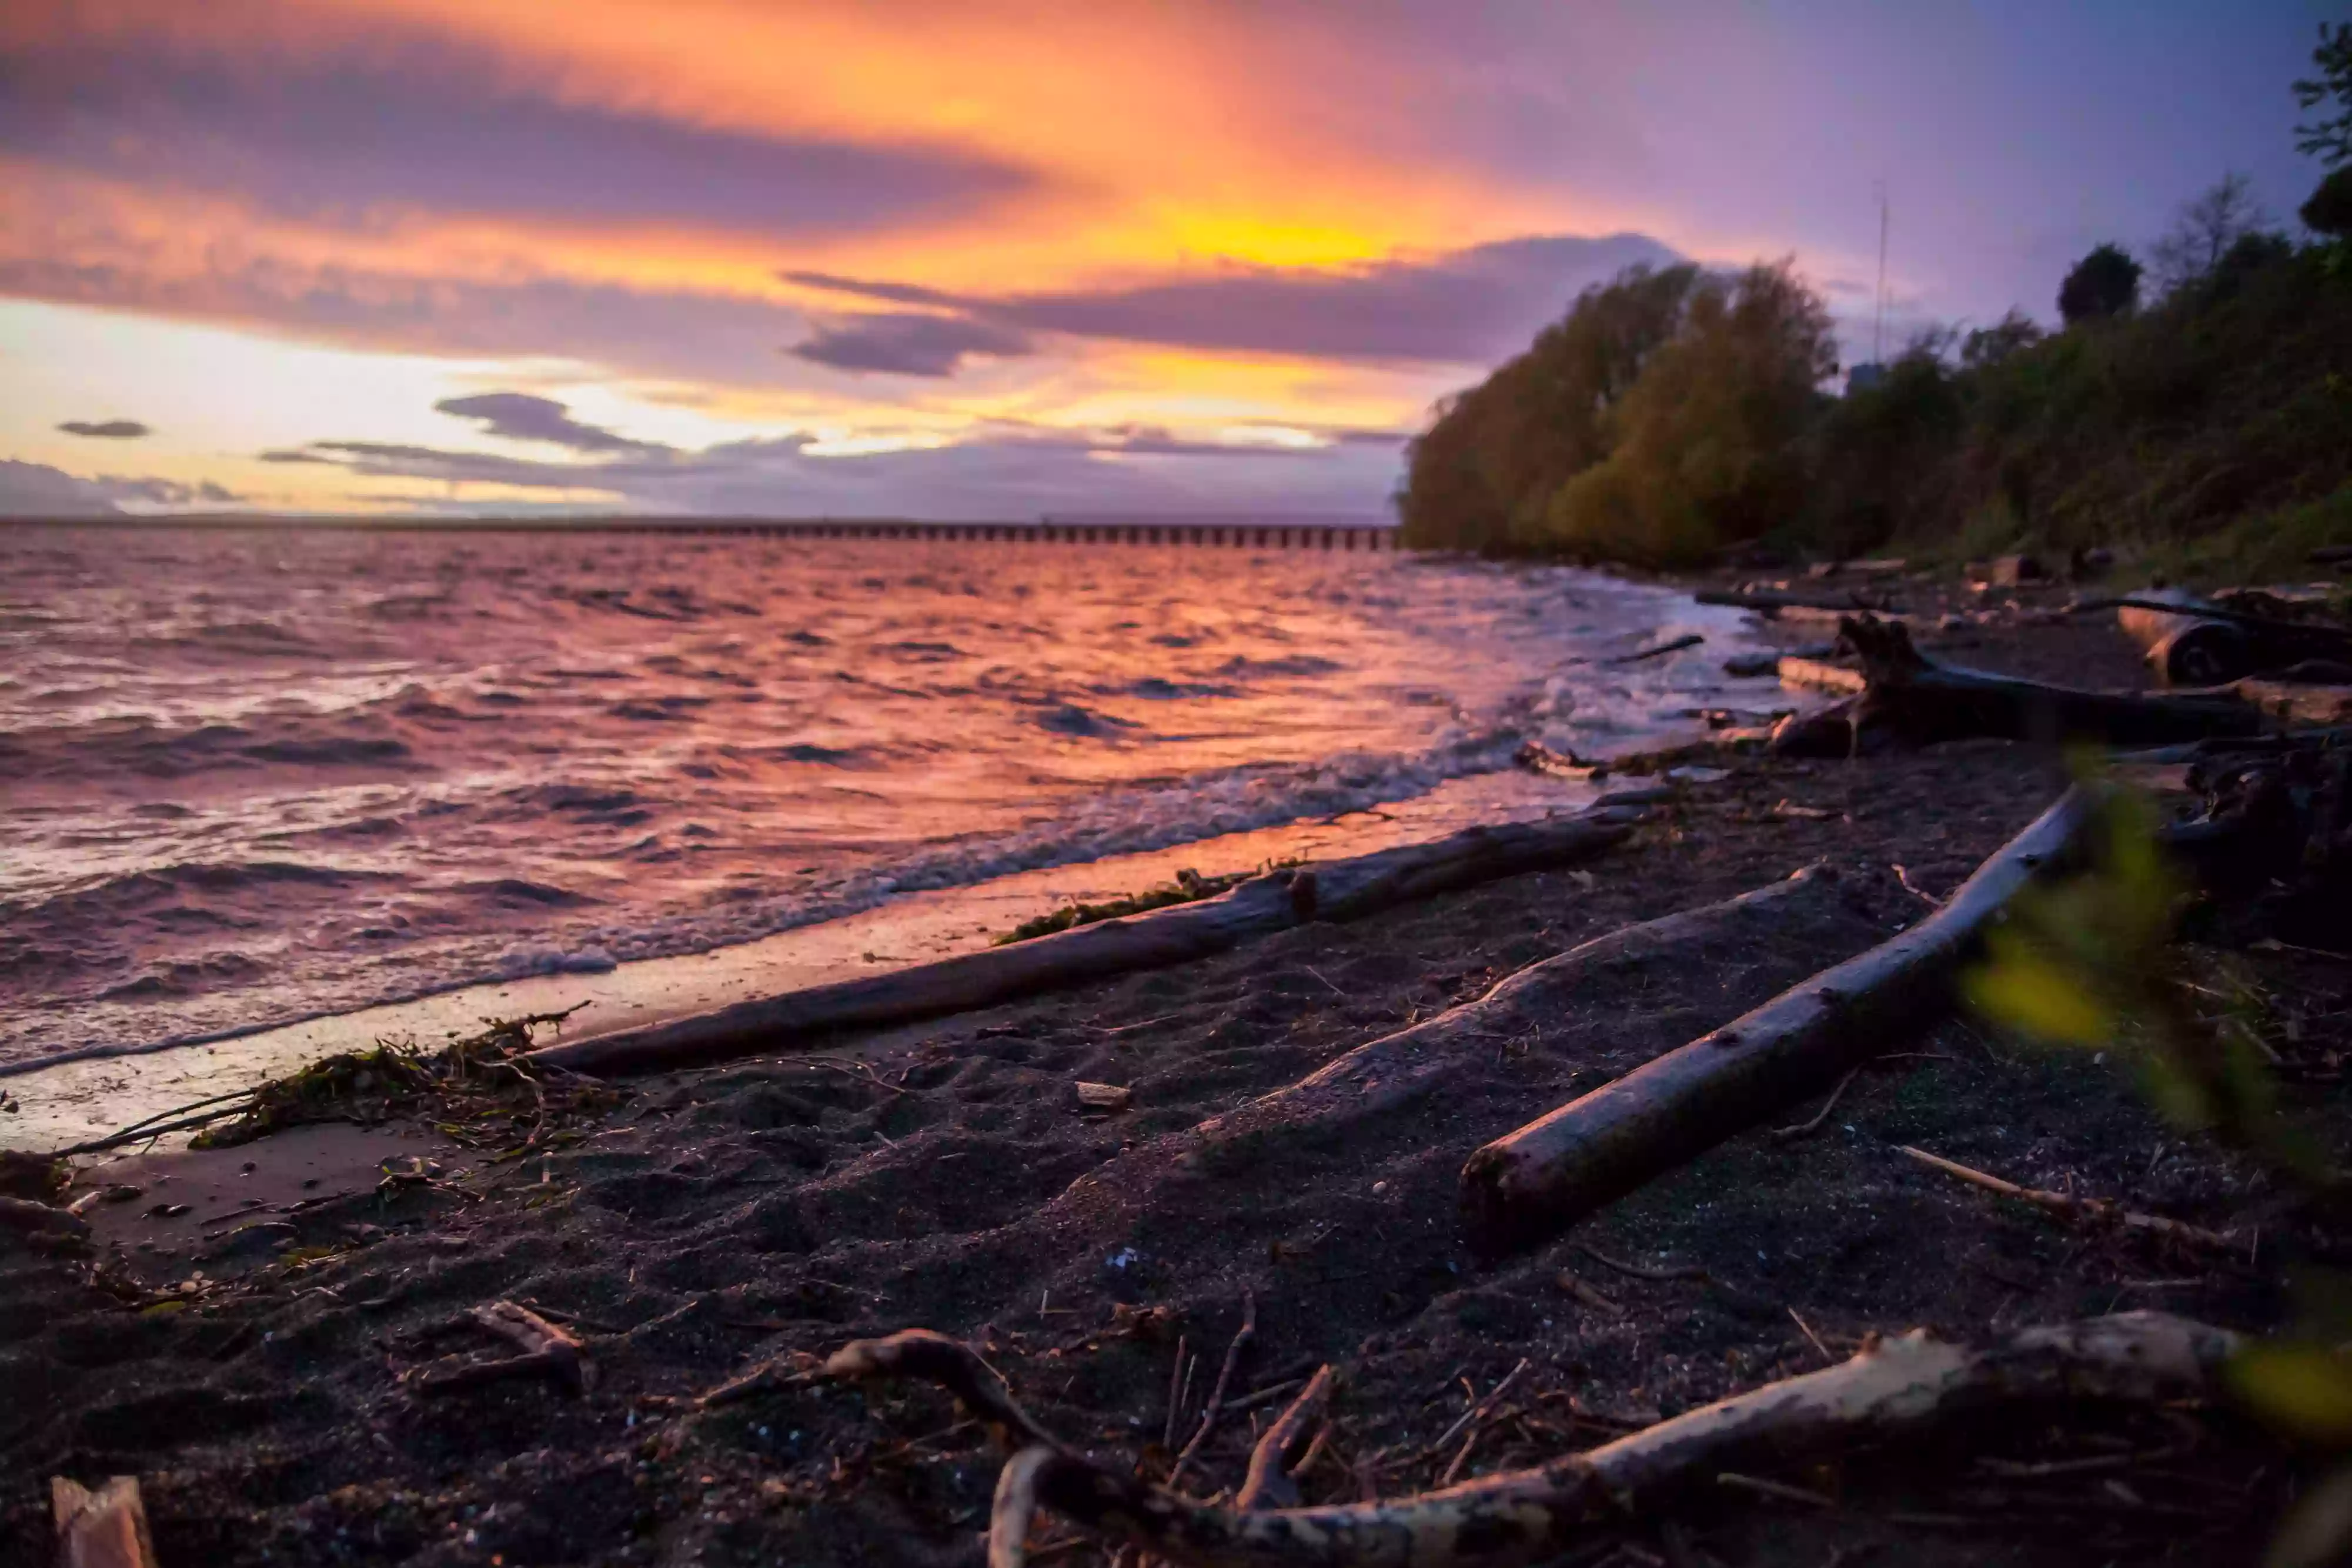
[2103,283]
[2329,210]
[1991,345]
[2329,140]
[1706,450]
[1480,475]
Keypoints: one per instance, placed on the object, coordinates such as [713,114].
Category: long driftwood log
[1896,1388]
[1554,1171]
[1910,700]
[1395,1070]
[1336,890]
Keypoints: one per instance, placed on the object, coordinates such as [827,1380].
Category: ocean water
[253,776]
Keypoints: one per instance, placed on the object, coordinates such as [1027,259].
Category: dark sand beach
[253,1357]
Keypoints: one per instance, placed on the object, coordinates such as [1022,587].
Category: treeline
[2203,404]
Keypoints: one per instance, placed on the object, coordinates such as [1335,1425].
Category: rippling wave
[255,776]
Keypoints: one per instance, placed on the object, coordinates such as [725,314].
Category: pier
[1188,533]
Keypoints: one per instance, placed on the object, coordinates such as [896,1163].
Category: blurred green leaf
[2026,990]
[2300,1388]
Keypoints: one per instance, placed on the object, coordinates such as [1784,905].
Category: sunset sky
[958,258]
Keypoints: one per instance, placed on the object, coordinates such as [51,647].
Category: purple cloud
[910,344]
[1464,306]
[105,430]
[38,490]
[519,417]
[679,334]
[344,137]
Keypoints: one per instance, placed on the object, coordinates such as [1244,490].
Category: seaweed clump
[476,1090]
[1190,887]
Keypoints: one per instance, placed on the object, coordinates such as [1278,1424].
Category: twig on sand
[1217,1394]
[547,1351]
[1807,1330]
[1818,1117]
[2081,1210]
[1175,1392]
[1638,1272]
[1763,1486]
[1268,1480]
[1471,1415]
[1903,875]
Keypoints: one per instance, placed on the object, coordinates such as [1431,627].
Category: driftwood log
[1910,700]
[1819,676]
[1779,603]
[1554,1171]
[2194,641]
[1895,1388]
[1395,1070]
[1336,890]
[2183,647]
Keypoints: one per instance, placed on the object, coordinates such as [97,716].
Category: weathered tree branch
[1894,1389]
[1918,702]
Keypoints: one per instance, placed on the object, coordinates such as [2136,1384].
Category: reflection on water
[255,775]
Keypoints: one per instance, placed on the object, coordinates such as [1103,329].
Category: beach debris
[547,1351]
[1774,603]
[1108,1098]
[2085,1211]
[1912,701]
[1242,1337]
[1812,1123]
[1539,1180]
[2183,647]
[2007,571]
[1688,640]
[467,1085]
[1277,901]
[2193,641]
[102,1529]
[1903,1386]
[1269,1483]
[1190,887]
[1383,1074]
[1819,676]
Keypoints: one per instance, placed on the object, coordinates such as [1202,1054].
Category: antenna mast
[1878,314]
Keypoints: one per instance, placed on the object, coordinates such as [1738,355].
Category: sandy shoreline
[778,1206]
[90,1093]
